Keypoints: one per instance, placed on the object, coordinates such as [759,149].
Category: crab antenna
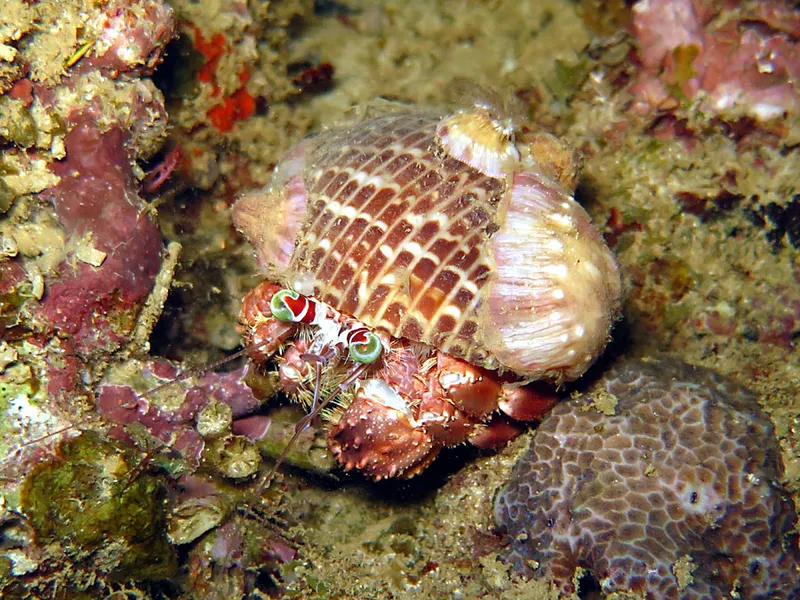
[299,428]
[316,408]
[23,445]
[205,369]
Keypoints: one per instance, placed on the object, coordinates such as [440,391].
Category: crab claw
[527,402]
[472,389]
[263,334]
[379,436]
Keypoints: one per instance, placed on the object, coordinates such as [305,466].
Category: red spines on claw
[380,433]
[406,412]
[380,441]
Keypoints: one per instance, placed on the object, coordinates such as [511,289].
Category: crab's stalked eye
[288,305]
[364,346]
[283,308]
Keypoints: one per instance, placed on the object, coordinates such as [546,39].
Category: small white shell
[480,139]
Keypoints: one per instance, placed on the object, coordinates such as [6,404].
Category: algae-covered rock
[97,503]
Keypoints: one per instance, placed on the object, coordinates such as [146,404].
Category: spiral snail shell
[444,229]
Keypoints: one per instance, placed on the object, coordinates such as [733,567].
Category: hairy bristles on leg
[330,385]
[423,352]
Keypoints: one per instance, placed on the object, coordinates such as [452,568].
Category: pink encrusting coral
[93,287]
[121,403]
[96,201]
[734,61]
[674,496]
[132,36]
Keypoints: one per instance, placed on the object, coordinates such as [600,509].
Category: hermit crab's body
[454,245]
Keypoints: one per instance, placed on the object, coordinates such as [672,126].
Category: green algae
[6,196]
[568,77]
[18,126]
[10,303]
[20,389]
[684,57]
[95,502]
[309,451]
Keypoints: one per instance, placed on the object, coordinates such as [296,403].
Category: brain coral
[674,495]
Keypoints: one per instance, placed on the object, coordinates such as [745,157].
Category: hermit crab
[423,270]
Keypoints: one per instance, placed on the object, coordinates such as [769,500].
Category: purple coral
[109,116]
[97,195]
[675,495]
[121,404]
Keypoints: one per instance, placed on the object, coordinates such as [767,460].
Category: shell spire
[481,138]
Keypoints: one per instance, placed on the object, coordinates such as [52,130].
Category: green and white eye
[280,310]
[368,351]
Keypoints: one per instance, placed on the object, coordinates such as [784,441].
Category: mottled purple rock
[97,196]
[726,58]
[675,495]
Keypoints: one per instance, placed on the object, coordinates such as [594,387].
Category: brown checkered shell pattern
[396,232]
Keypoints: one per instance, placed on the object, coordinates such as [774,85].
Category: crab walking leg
[479,392]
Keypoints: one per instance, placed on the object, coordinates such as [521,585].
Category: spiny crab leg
[479,392]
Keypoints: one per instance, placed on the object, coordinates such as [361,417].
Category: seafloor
[702,211]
